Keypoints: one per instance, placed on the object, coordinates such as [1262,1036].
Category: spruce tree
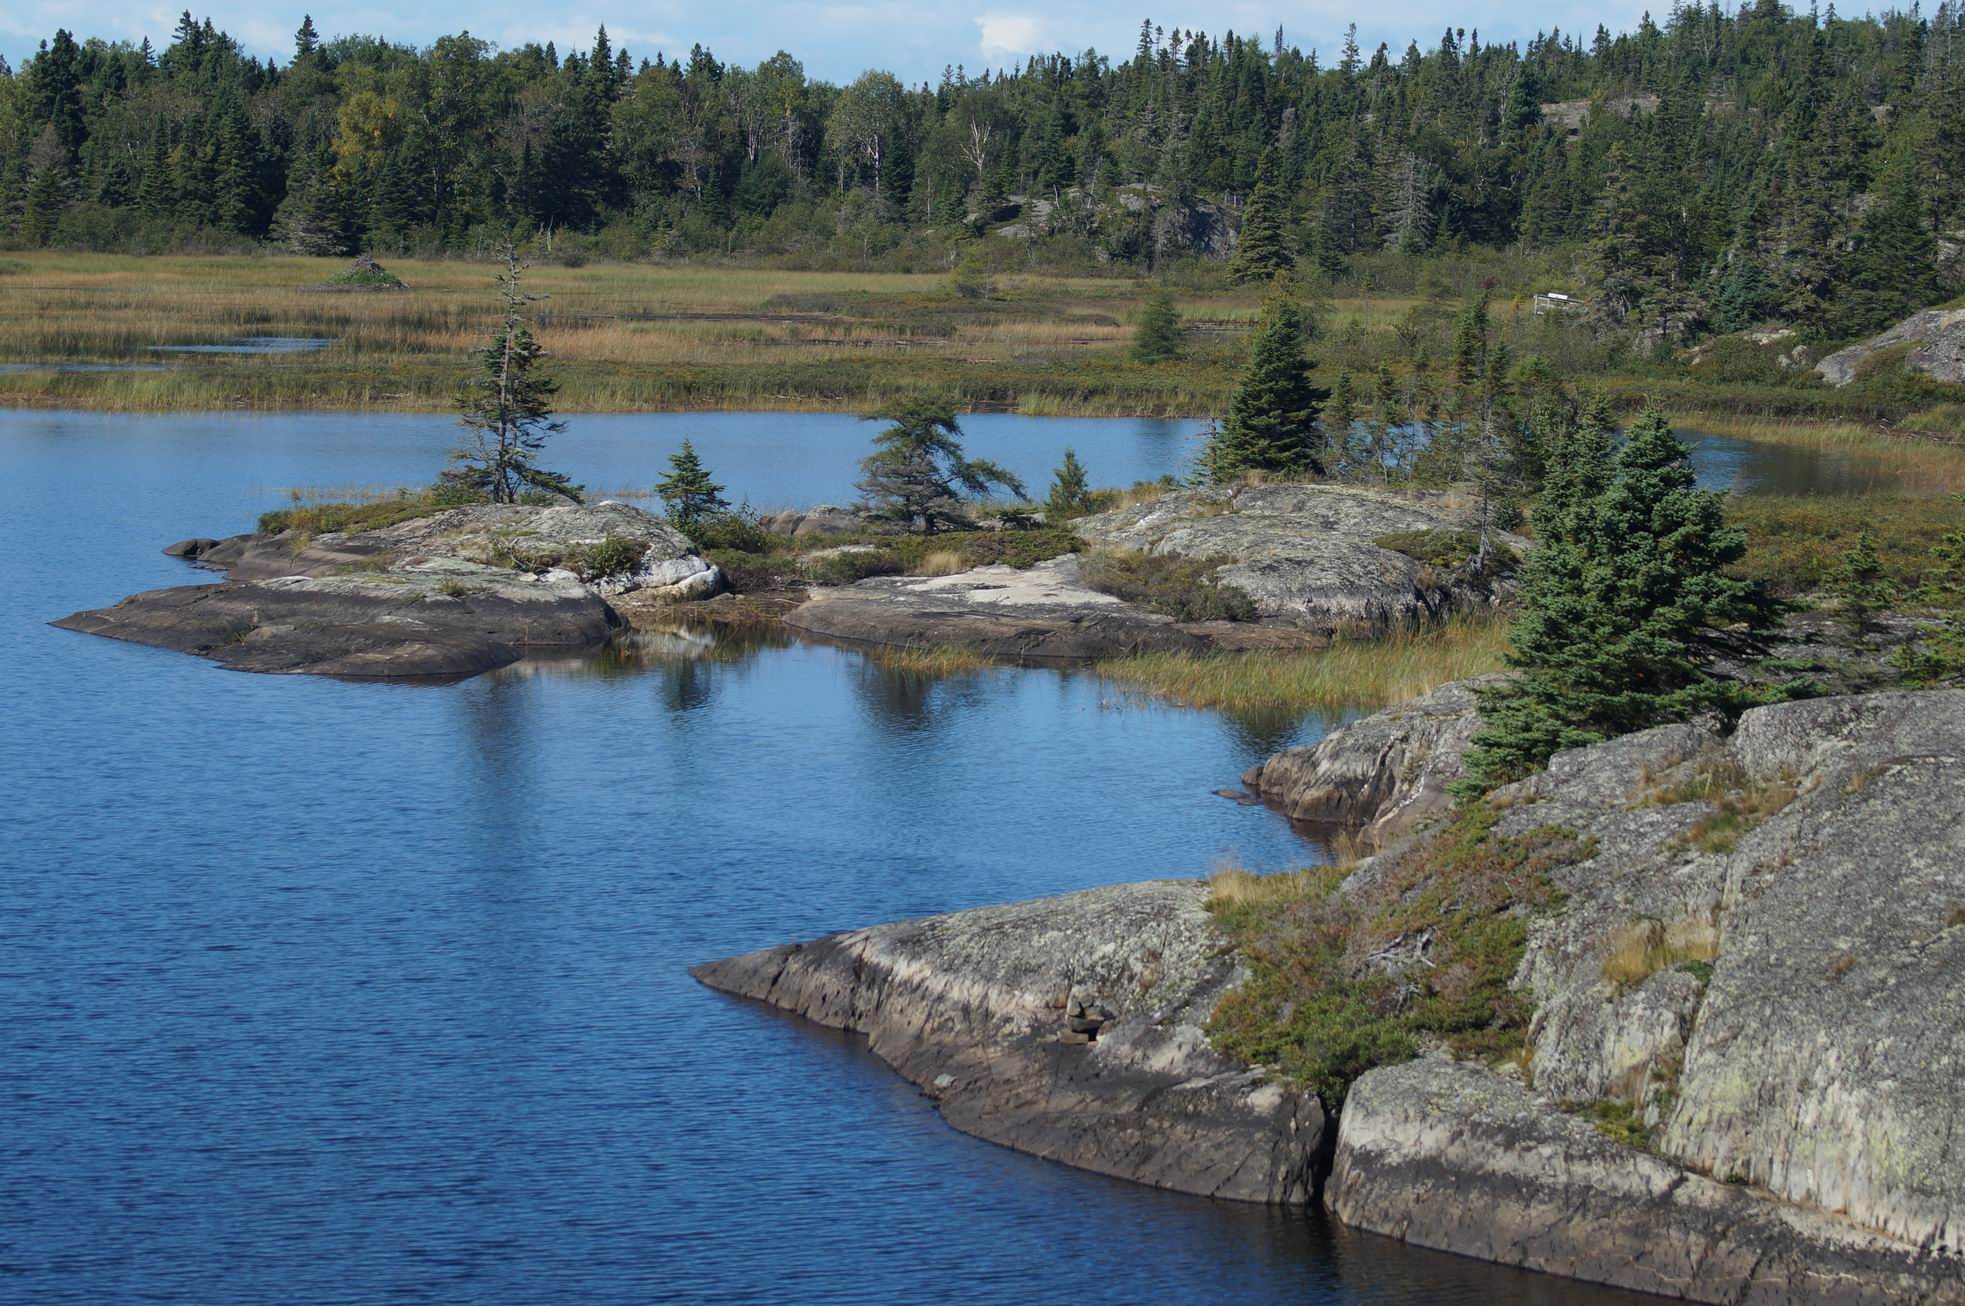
[1340,419]
[1861,587]
[687,492]
[1158,337]
[918,475]
[1271,425]
[1624,582]
[1939,657]
[507,408]
[1893,269]
[1070,494]
[1263,249]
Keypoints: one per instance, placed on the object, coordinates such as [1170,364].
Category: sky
[835,39]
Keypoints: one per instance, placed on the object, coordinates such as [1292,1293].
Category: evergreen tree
[1070,495]
[1263,249]
[687,492]
[1939,657]
[1861,587]
[1340,421]
[1893,269]
[155,194]
[1158,337]
[507,408]
[1271,426]
[1625,581]
[47,193]
[918,476]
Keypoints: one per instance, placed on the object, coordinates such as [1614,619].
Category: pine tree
[1263,248]
[1627,576]
[918,475]
[1861,587]
[687,492]
[507,408]
[1939,657]
[1158,338]
[1271,425]
[155,194]
[1893,269]
[1070,495]
[1340,421]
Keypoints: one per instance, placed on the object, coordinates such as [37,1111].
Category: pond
[328,992]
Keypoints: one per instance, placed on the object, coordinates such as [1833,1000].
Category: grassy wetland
[102,330]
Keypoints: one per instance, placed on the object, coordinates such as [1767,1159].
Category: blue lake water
[328,992]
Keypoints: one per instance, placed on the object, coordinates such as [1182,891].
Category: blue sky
[837,39]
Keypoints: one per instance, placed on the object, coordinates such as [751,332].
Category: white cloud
[1009,35]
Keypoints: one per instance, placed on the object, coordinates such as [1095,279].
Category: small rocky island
[445,594]
[1742,970]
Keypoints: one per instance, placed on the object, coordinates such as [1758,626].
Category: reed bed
[1346,674]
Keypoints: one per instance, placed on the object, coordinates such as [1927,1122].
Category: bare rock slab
[1069,1028]
[1458,1158]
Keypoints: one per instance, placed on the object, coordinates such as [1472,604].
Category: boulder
[976,1008]
[191,549]
[1458,1158]
[1308,554]
[1382,774]
[1936,338]
[816,523]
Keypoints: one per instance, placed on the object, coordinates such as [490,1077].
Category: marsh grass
[1796,543]
[929,662]
[1347,673]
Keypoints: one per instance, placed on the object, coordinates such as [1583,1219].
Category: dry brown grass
[941,562]
[1349,673]
[1643,948]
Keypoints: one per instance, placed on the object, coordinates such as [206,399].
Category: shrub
[331,518]
[1444,547]
[857,564]
[614,556]
[1182,588]
[737,529]
[1328,996]
[749,573]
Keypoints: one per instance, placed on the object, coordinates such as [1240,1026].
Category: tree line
[1720,169]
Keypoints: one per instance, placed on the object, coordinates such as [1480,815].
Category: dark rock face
[191,549]
[451,594]
[1069,1028]
[1044,613]
[1458,1158]
[1384,773]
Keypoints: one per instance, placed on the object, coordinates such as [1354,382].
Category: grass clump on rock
[1182,588]
[609,558]
[1418,951]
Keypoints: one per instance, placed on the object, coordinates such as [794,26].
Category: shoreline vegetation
[152,334]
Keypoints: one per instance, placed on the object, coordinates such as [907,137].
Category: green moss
[1617,1121]
[1422,951]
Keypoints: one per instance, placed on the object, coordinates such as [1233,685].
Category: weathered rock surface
[1764,957]
[1459,1158]
[1384,773]
[1069,1028]
[816,523]
[1038,614]
[452,594]
[1307,555]
[1937,340]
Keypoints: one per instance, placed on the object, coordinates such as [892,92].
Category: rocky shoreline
[1755,964]
[440,596]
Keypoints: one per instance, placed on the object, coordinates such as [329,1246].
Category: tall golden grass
[1348,673]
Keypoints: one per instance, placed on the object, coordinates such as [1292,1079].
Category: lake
[329,992]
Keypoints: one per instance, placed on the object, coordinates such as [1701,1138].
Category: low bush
[751,573]
[738,530]
[1420,951]
[1182,588]
[614,556]
[1445,548]
[330,518]
[845,567]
